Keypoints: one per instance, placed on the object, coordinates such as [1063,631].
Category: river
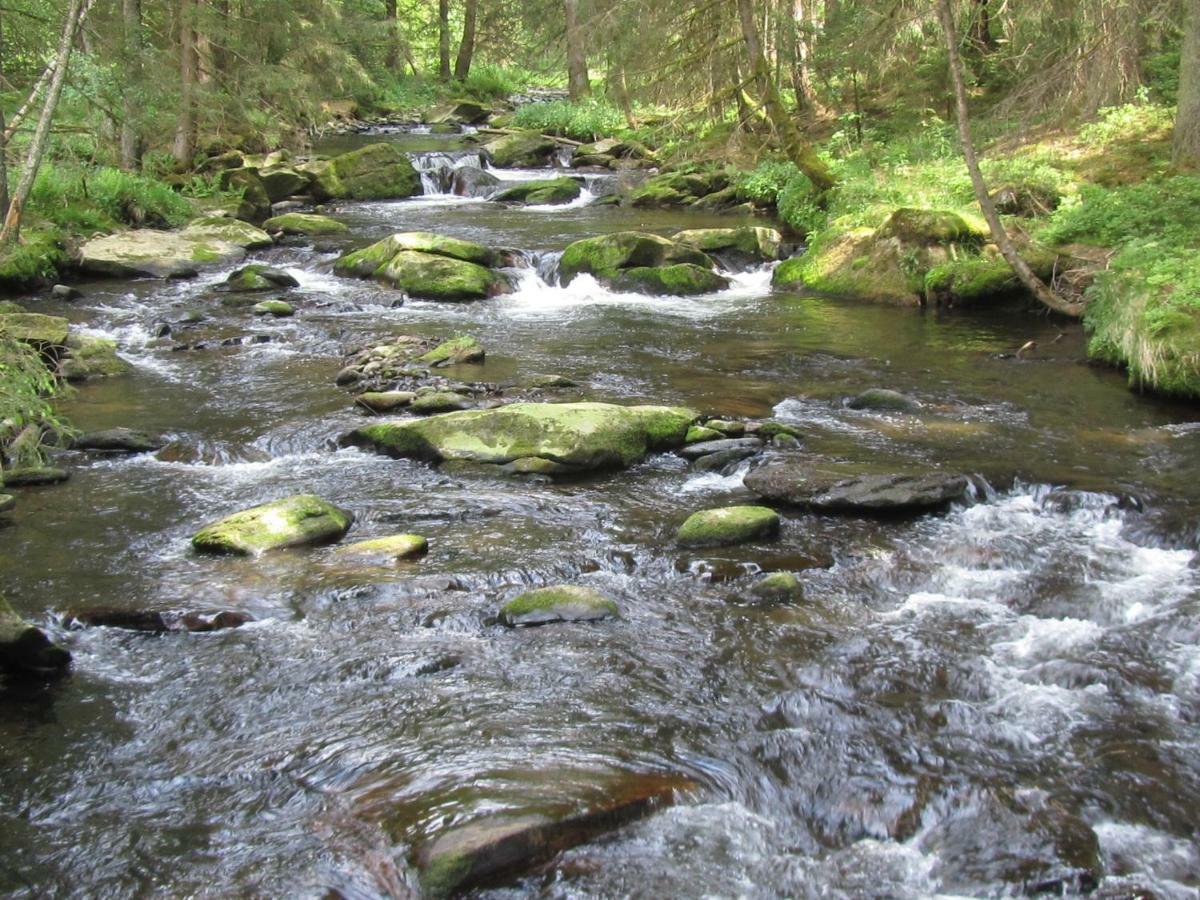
[995,700]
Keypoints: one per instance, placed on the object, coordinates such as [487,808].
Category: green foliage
[37,256]
[1132,121]
[495,82]
[763,184]
[90,200]
[1166,208]
[588,120]
[26,387]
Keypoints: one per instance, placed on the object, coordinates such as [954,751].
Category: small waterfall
[437,168]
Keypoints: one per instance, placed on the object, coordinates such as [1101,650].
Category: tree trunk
[185,132]
[3,138]
[620,90]
[981,29]
[76,14]
[131,137]
[578,84]
[802,51]
[393,37]
[799,151]
[444,40]
[1187,122]
[466,47]
[1026,275]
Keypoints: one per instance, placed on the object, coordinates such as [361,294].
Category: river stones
[778,587]
[749,242]
[26,649]
[304,224]
[832,490]
[772,428]
[289,522]
[730,525]
[750,445]
[118,440]
[435,402]
[577,436]
[155,621]
[86,358]
[504,844]
[390,548]
[34,476]
[258,277]
[521,150]
[558,603]
[883,399]
[384,401]
[408,357]
[550,190]
[635,261]
[428,266]
[375,172]
[280,309]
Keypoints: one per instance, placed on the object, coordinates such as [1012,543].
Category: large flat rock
[832,490]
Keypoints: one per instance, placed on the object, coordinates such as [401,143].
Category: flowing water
[1000,699]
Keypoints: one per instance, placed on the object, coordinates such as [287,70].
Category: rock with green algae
[773,428]
[550,190]
[883,399]
[366,262]
[392,547]
[258,277]
[35,328]
[25,648]
[436,402]
[89,357]
[577,436]
[8,307]
[727,427]
[34,476]
[679,188]
[281,182]
[229,231]
[375,172]
[280,309]
[428,266]
[699,434]
[977,280]
[755,242]
[635,261]
[681,280]
[729,525]
[384,401]
[778,587]
[255,203]
[290,522]
[304,224]
[558,603]
[458,350]
[521,149]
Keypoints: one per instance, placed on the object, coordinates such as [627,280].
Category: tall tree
[466,47]
[1187,121]
[1026,275]
[133,46]
[393,35]
[444,40]
[578,84]
[799,151]
[185,131]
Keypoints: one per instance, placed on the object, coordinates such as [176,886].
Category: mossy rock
[39,255]
[162,254]
[552,190]
[458,350]
[731,525]
[698,434]
[520,150]
[256,202]
[35,476]
[280,309]
[681,188]
[884,400]
[289,522]
[35,329]
[384,401]
[440,402]
[932,226]
[432,277]
[374,172]
[559,603]
[25,649]
[681,280]
[367,260]
[305,224]
[258,277]
[756,242]
[773,428]
[283,182]
[779,587]
[727,427]
[392,547]
[606,255]
[578,436]
[7,307]
[230,231]
[982,279]
[91,357]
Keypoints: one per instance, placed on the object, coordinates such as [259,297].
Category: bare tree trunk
[131,137]
[185,132]
[393,37]
[76,14]
[620,90]
[802,70]
[981,29]
[578,84]
[1026,275]
[444,40]
[466,47]
[3,138]
[1187,122]
[799,151]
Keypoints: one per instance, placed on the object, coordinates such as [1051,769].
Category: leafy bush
[1131,122]
[797,204]
[493,82]
[89,200]
[1166,208]
[38,255]
[764,183]
[588,120]
[26,386]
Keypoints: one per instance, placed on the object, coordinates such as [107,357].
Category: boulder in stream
[428,266]
[384,401]
[558,603]
[521,150]
[88,357]
[434,402]
[827,489]
[34,476]
[171,254]
[390,548]
[472,181]
[25,648]
[884,400]
[647,263]
[551,190]
[155,621]
[576,436]
[778,587]
[42,332]
[306,224]
[118,440]
[279,309]
[258,277]
[375,172]
[748,243]
[409,356]
[729,525]
[289,522]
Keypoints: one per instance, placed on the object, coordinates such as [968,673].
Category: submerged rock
[25,648]
[883,399]
[305,224]
[118,440]
[551,190]
[391,547]
[634,261]
[778,587]
[730,525]
[290,522]
[577,436]
[832,490]
[375,172]
[155,621]
[502,845]
[558,603]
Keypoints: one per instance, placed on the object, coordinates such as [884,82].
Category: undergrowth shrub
[588,120]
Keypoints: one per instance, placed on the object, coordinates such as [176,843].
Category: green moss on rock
[289,522]
[438,277]
[391,547]
[731,525]
[306,224]
[681,280]
[228,231]
[91,357]
[280,309]
[551,190]
[779,586]
[699,433]
[559,603]
[761,243]
[375,172]
[35,329]
[522,149]
[461,349]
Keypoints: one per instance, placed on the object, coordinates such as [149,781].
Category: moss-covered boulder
[227,230]
[384,401]
[456,351]
[559,603]
[468,112]
[576,436]
[290,522]
[91,357]
[551,190]
[680,188]
[375,172]
[778,587]
[279,309]
[258,277]
[628,260]
[521,150]
[255,204]
[680,280]
[428,266]
[698,434]
[283,182]
[25,649]
[883,399]
[38,256]
[390,548]
[434,402]
[731,525]
[887,264]
[304,224]
[34,476]
[972,280]
[34,328]
[117,440]
[754,242]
